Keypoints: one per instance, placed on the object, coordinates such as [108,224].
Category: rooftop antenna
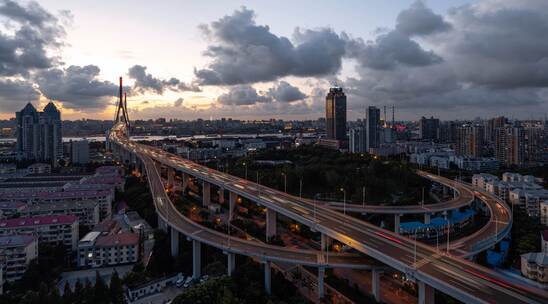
[393,122]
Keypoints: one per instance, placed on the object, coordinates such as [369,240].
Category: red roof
[38,221]
[120,239]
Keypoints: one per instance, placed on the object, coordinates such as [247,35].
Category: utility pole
[301,187]
[344,200]
[363,195]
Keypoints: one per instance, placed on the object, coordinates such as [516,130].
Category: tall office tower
[470,140]
[39,134]
[372,127]
[335,114]
[491,127]
[357,140]
[448,132]
[429,128]
[510,145]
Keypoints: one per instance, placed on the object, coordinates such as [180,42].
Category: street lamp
[245,170]
[363,195]
[285,182]
[344,200]
[301,187]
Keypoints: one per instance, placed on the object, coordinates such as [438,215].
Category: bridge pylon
[121,108]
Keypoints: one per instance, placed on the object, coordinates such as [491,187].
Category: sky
[452,59]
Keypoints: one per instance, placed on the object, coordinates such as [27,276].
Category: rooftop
[16,240]
[119,239]
[38,221]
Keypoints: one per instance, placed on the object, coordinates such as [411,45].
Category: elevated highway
[430,268]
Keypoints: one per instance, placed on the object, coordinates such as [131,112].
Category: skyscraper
[470,140]
[372,130]
[510,145]
[39,134]
[429,128]
[335,114]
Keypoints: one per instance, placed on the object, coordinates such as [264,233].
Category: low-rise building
[39,168]
[16,252]
[11,209]
[534,266]
[86,211]
[98,250]
[52,229]
[544,213]
[481,180]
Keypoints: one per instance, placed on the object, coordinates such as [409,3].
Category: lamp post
[245,166]
[363,195]
[344,200]
[285,182]
[301,187]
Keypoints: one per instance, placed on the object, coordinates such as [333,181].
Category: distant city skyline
[251,60]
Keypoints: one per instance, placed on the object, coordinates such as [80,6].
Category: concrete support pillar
[162,224]
[170,176]
[445,214]
[270,223]
[427,218]
[196,259]
[206,193]
[326,241]
[221,195]
[174,242]
[426,293]
[231,263]
[267,278]
[321,287]
[185,181]
[232,205]
[376,284]
[397,223]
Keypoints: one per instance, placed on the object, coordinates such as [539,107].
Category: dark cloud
[242,95]
[76,87]
[420,20]
[145,82]
[284,92]
[244,52]
[35,32]
[391,50]
[14,94]
[494,59]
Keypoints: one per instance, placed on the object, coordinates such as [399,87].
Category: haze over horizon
[450,59]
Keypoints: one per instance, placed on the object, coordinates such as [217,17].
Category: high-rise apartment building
[448,132]
[510,145]
[335,114]
[372,127]
[429,128]
[470,140]
[491,127]
[536,142]
[39,134]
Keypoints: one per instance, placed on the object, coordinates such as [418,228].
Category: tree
[100,291]
[68,295]
[116,289]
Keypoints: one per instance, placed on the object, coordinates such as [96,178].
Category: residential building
[52,229]
[87,211]
[335,114]
[510,145]
[469,140]
[534,265]
[80,152]
[481,180]
[544,213]
[372,130]
[448,132]
[476,164]
[39,168]
[429,128]
[39,134]
[99,250]
[16,253]
[492,126]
